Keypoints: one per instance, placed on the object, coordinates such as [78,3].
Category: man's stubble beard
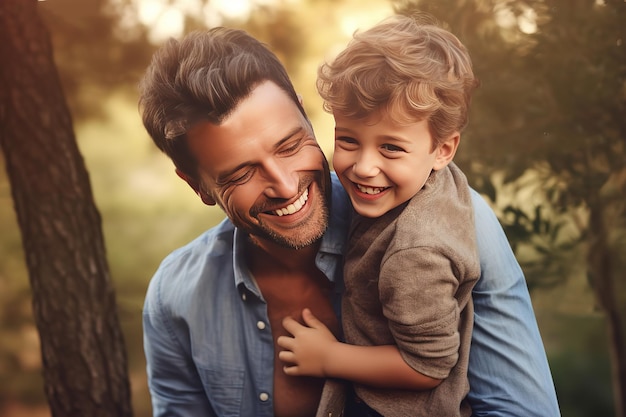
[302,238]
[300,241]
[318,225]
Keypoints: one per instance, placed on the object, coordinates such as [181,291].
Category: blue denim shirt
[209,346]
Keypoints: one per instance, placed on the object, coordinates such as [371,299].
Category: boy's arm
[508,370]
[314,351]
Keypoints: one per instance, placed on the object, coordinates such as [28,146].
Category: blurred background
[546,146]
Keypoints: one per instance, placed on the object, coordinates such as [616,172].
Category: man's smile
[292,208]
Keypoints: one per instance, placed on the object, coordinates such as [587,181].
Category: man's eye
[291,147]
[237,179]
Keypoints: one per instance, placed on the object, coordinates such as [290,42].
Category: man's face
[264,168]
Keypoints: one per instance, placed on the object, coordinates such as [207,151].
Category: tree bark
[84,360]
[603,278]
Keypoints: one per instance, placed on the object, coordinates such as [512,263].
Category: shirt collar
[334,240]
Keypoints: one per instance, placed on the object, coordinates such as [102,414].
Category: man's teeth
[295,206]
[370,190]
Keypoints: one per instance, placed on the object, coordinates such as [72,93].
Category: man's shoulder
[215,240]
[184,267]
[484,216]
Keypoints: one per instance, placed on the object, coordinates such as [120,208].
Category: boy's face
[264,168]
[382,164]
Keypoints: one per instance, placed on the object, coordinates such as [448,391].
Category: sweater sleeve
[421,308]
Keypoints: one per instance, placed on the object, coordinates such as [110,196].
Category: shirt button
[264,396]
[260,326]
[243,296]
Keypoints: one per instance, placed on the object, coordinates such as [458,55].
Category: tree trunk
[85,366]
[604,276]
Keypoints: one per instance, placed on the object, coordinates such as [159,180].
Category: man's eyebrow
[288,136]
[223,175]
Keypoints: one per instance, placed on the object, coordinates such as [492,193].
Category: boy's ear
[206,199]
[446,151]
[300,99]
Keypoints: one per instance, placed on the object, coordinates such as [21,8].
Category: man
[222,107]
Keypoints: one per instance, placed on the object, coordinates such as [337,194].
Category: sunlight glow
[232,8]
[166,18]
[364,20]
[527,22]
[149,10]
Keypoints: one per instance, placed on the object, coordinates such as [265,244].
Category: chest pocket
[224,389]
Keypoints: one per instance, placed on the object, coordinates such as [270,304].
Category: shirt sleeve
[174,383]
[508,369]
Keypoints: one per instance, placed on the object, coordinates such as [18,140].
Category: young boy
[399,94]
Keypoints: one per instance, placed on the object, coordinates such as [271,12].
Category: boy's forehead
[385,115]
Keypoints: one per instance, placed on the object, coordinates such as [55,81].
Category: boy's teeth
[370,190]
[295,206]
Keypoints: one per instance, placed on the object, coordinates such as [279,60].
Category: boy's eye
[345,139]
[392,148]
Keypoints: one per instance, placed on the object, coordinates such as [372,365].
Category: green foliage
[583,385]
[581,370]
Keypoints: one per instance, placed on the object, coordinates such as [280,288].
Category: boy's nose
[365,166]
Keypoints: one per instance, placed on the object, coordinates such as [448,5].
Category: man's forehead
[257,127]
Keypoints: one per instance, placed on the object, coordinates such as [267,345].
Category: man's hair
[409,69]
[203,77]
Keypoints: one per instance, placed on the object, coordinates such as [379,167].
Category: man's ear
[206,199]
[446,151]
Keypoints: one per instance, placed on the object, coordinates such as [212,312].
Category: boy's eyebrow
[397,138]
[384,137]
[223,175]
[342,129]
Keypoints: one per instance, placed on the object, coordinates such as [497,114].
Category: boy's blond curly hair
[406,68]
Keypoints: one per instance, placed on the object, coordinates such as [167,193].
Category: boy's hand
[309,347]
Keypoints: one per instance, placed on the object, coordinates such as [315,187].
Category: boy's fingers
[309,319]
[290,370]
[291,325]
[286,356]
[285,342]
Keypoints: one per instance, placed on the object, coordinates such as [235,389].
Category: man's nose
[281,179]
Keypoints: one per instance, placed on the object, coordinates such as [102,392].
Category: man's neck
[266,252]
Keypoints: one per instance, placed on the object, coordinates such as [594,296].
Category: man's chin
[292,242]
